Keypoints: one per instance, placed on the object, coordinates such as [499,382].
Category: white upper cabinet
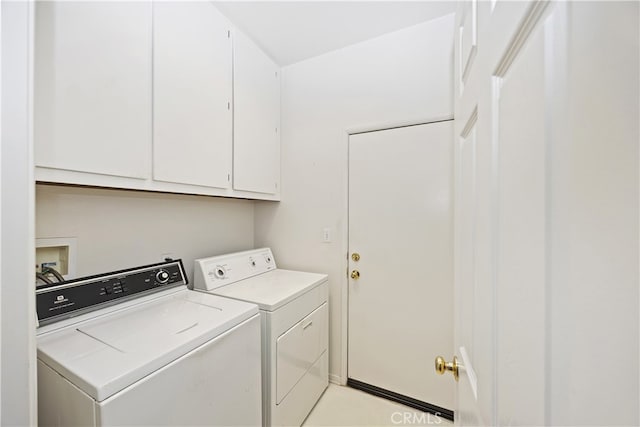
[156,96]
[192,94]
[92,87]
[256,142]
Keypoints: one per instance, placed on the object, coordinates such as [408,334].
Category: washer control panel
[73,297]
[217,271]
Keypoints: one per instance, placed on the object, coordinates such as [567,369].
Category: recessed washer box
[58,253]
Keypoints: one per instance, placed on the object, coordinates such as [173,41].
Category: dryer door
[299,348]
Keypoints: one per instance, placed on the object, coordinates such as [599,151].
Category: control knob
[220,272]
[162,277]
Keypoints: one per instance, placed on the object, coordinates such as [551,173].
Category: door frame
[344,281]
[18,209]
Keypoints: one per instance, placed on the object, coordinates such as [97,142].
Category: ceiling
[291,31]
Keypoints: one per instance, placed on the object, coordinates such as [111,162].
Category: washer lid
[273,289]
[103,356]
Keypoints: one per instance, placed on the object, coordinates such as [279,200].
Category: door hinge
[228,177]
[228,34]
[228,105]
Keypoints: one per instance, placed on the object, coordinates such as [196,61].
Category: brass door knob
[442,366]
[355,256]
[355,274]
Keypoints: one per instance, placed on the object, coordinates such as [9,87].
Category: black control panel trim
[74,297]
[111,274]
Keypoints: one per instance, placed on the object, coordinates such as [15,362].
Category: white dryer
[136,347]
[295,327]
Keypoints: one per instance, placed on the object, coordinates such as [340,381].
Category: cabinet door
[192,89]
[92,93]
[256,140]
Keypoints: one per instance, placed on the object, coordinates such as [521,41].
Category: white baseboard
[336,379]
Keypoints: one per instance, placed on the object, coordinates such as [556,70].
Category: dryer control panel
[70,298]
[214,272]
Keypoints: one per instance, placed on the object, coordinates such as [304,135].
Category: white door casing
[18,403]
[400,309]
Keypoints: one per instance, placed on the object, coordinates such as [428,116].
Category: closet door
[192,90]
[92,87]
[256,146]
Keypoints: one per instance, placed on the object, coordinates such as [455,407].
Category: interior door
[543,126]
[400,266]
[500,223]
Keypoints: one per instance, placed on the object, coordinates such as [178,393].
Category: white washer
[136,347]
[294,315]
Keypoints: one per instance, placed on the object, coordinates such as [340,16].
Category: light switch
[326,235]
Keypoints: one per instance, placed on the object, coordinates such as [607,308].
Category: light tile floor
[345,406]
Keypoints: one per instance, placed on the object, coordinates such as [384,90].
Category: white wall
[405,76]
[119,229]
[593,214]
